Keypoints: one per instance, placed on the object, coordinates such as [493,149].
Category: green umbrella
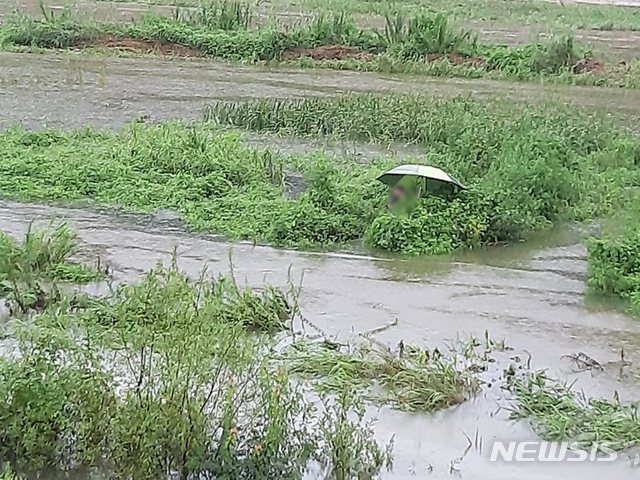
[436,181]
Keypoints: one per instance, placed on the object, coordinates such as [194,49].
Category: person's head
[399,191]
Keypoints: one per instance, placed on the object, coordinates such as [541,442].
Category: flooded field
[71,90]
[531,296]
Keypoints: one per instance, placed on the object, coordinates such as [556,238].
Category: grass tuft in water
[29,270]
[559,414]
[417,380]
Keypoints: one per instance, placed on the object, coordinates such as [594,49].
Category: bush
[156,379]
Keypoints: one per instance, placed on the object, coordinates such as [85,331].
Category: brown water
[66,90]
[532,299]
[532,295]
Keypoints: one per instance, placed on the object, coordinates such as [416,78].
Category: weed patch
[559,414]
[223,31]
[527,169]
[29,270]
[158,378]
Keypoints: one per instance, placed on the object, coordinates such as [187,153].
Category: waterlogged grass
[44,253]
[223,31]
[165,382]
[613,259]
[526,169]
[217,183]
[29,270]
[151,304]
[416,380]
[557,413]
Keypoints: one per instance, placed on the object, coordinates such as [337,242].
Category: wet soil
[328,52]
[133,45]
[531,295]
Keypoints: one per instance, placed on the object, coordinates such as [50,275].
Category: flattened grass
[557,413]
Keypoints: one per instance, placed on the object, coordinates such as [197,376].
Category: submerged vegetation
[416,380]
[157,378]
[423,43]
[558,413]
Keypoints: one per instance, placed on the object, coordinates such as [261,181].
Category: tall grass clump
[214,15]
[29,269]
[164,384]
[614,260]
[414,37]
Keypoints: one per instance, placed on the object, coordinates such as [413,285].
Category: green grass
[526,168]
[557,413]
[222,31]
[157,376]
[614,259]
[29,270]
[417,380]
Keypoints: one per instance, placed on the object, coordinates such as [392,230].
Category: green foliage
[222,30]
[417,36]
[153,304]
[558,414]
[436,226]
[349,444]
[417,380]
[527,169]
[614,262]
[157,378]
[42,257]
[54,411]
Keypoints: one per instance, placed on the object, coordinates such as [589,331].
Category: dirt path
[533,299]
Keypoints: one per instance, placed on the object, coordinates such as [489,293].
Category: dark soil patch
[143,46]
[456,59]
[589,65]
[327,52]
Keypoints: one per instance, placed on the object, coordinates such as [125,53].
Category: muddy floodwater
[66,90]
[530,295]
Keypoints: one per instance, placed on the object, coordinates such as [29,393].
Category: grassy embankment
[423,44]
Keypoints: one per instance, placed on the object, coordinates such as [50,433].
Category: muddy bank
[533,299]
